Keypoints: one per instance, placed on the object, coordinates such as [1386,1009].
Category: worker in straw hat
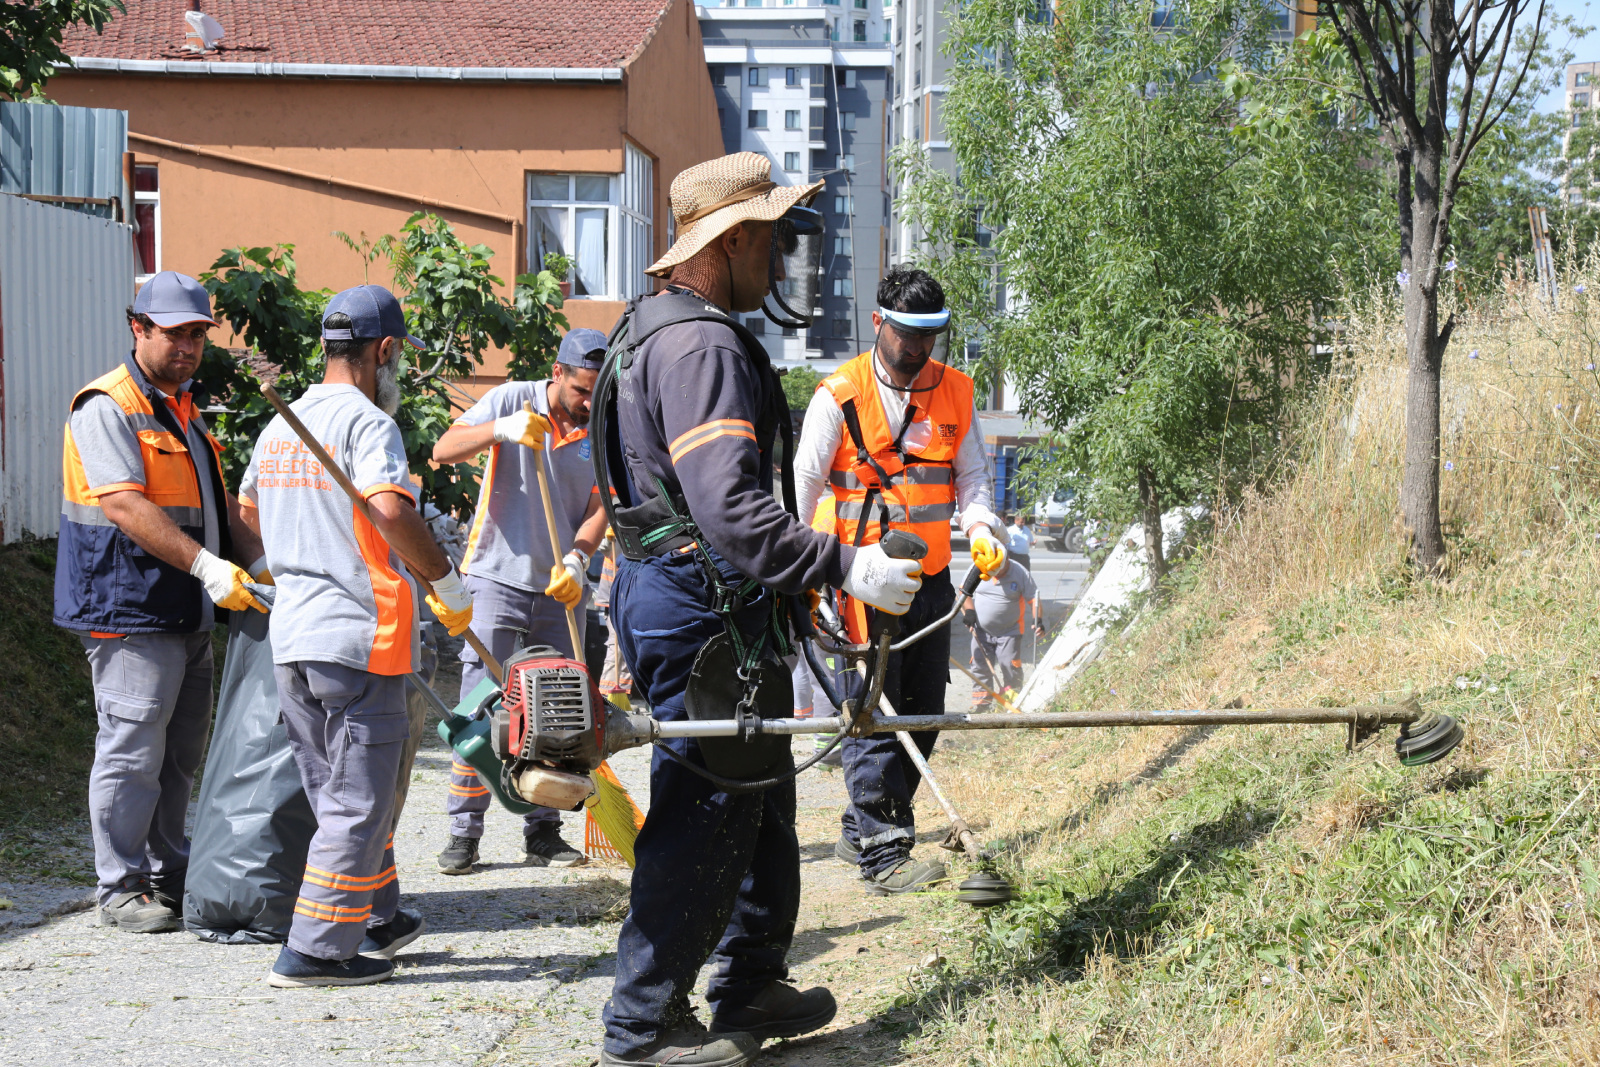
[690,391]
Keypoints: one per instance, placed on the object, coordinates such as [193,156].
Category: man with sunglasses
[147,528]
[894,433]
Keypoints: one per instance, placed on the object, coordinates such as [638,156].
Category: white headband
[933,320]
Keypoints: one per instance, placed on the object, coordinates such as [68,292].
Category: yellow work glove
[224,582]
[451,604]
[260,574]
[526,427]
[567,580]
[987,552]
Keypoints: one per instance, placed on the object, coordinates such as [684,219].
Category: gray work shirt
[509,541]
[1001,601]
[112,461]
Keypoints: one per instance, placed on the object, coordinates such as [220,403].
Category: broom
[612,819]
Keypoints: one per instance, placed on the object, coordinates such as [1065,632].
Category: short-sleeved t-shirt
[509,541]
[999,601]
[1019,539]
[343,595]
[112,462]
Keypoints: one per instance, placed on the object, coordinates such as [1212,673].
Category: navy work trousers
[717,875]
[880,777]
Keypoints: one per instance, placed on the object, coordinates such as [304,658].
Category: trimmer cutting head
[983,888]
[1430,738]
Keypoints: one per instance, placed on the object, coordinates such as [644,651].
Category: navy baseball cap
[583,348]
[374,314]
[173,299]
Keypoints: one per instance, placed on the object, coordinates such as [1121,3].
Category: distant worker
[147,529]
[1020,538]
[699,411]
[996,613]
[894,433]
[345,634]
[521,588]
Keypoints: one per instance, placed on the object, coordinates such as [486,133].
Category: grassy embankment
[1263,896]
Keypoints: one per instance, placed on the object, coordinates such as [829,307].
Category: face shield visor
[907,340]
[792,273]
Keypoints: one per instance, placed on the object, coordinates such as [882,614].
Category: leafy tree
[1437,79]
[799,385]
[1164,209]
[30,39]
[451,305]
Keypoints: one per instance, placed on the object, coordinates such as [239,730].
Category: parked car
[1056,523]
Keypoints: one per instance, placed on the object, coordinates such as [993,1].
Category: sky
[1587,12]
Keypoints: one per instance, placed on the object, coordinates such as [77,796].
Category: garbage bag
[254,824]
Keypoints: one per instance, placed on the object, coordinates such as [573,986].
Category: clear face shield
[906,341]
[792,274]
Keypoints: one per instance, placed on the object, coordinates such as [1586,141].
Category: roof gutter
[343,70]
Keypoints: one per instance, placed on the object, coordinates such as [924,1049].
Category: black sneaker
[459,855]
[910,876]
[544,848]
[386,940]
[137,910]
[845,852]
[294,971]
[685,1042]
[780,1010]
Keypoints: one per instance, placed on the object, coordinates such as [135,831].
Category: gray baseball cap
[583,348]
[374,314]
[173,299]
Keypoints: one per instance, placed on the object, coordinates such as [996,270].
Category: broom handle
[962,667]
[360,505]
[555,543]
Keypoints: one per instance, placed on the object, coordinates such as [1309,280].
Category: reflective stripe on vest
[920,496]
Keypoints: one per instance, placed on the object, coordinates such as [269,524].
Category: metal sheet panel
[65,280]
[62,151]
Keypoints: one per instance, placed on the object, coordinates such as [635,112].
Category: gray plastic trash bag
[253,824]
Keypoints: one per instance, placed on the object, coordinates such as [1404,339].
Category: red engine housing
[551,712]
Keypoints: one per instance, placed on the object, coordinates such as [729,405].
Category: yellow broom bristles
[614,820]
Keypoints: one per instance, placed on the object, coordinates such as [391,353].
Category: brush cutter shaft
[1365,716]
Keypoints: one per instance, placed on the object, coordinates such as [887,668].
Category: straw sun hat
[712,197]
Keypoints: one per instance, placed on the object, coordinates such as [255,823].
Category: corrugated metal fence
[65,279]
[49,150]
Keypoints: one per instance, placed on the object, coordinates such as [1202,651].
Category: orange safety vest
[875,476]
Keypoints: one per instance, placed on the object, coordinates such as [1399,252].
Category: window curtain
[590,251]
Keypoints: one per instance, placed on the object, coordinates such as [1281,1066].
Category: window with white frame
[841,244]
[147,217]
[791,161]
[758,76]
[842,204]
[791,120]
[847,120]
[602,223]
[791,76]
[843,287]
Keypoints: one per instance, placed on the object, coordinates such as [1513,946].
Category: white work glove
[225,583]
[988,552]
[568,579]
[451,603]
[884,583]
[259,573]
[526,427]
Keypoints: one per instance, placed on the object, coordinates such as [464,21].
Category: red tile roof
[409,33]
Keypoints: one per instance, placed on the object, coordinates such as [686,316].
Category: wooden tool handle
[555,543]
[360,505]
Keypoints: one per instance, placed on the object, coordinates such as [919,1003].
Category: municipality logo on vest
[583,449]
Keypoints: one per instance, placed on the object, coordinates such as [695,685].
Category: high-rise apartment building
[1583,86]
[805,82]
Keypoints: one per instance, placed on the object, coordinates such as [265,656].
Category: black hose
[749,785]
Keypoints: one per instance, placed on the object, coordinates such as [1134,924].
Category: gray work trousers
[152,695]
[348,730]
[505,619]
[997,661]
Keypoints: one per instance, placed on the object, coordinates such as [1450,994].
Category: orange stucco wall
[469,144]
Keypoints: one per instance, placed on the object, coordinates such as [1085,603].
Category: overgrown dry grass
[1263,896]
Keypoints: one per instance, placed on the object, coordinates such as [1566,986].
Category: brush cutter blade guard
[985,889]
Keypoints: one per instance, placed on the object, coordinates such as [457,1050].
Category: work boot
[544,848]
[685,1042]
[138,911]
[845,852]
[294,971]
[387,940]
[168,888]
[909,876]
[780,1010]
[834,758]
[459,856]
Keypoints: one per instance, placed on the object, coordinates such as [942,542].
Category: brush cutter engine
[548,728]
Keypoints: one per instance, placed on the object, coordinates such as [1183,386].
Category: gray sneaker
[459,856]
[545,848]
[691,1048]
[910,876]
[845,852]
[138,911]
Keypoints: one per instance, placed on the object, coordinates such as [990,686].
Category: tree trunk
[1150,514]
[1419,487]
[1402,196]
